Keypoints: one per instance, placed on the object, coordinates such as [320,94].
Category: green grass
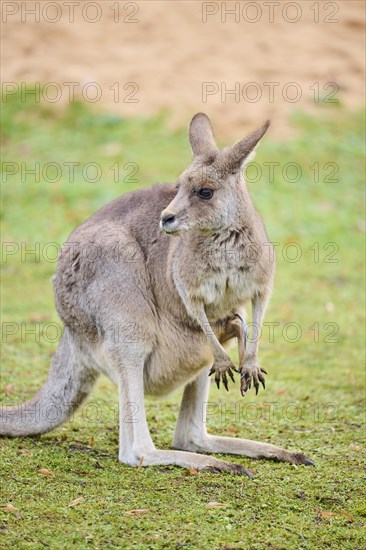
[314,399]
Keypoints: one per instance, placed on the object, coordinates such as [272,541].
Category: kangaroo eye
[205,193]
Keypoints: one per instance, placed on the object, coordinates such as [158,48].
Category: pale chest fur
[229,275]
[226,291]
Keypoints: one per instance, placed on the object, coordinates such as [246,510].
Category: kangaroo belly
[177,358]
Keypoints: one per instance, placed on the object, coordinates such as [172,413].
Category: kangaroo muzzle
[168,222]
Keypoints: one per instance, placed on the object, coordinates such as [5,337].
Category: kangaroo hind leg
[136,446]
[191,434]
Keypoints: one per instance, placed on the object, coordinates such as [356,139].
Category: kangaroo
[151,290]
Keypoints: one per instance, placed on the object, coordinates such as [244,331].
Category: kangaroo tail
[69,381]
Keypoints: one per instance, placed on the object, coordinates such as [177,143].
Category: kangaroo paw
[251,375]
[221,370]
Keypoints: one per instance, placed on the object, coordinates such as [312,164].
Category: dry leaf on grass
[9,389]
[76,502]
[281,391]
[193,471]
[325,514]
[328,515]
[140,464]
[9,508]
[216,505]
[45,472]
[232,430]
[138,511]
[26,453]
[347,515]
[91,442]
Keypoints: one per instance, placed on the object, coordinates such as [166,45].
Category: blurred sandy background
[167,50]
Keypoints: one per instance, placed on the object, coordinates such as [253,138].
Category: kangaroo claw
[254,375]
[221,374]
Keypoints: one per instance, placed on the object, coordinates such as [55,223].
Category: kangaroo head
[211,191]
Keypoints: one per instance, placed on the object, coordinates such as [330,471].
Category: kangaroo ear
[241,150]
[201,135]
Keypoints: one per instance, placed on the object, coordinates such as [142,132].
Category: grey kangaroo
[151,290]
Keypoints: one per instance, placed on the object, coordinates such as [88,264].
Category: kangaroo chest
[222,274]
[226,282]
[225,289]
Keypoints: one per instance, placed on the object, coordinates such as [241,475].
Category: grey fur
[155,308]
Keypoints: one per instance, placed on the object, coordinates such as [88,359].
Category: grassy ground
[314,399]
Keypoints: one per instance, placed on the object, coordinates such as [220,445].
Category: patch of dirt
[187,56]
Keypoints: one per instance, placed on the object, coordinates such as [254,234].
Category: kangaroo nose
[167,218]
